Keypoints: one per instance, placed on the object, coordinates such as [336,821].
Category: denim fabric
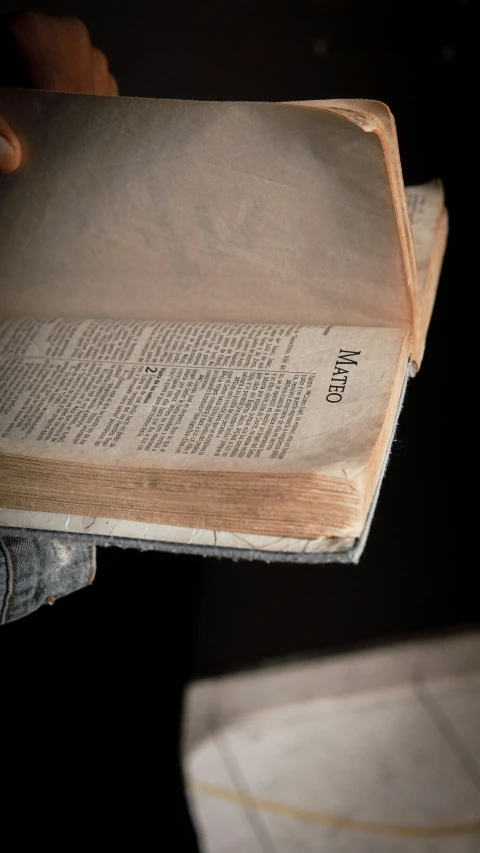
[37,569]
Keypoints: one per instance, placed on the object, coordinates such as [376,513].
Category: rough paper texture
[179,210]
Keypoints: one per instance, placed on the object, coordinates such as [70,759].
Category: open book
[210,311]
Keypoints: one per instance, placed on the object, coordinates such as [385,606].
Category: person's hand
[60,58]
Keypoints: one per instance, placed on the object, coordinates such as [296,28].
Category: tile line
[444,725]
[240,783]
[254,820]
[247,801]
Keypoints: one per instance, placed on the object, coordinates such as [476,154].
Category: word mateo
[338,382]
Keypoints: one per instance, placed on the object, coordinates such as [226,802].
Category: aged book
[210,311]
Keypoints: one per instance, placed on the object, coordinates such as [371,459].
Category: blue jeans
[37,569]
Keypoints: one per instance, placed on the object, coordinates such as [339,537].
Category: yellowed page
[179,210]
[375,117]
[199,397]
[421,215]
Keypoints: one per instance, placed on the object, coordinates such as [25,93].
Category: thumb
[10,149]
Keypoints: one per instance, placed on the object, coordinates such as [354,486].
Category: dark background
[416,575]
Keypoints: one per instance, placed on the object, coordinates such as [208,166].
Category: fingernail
[5,147]
[7,154]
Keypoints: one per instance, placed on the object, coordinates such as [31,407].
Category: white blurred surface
[374,752]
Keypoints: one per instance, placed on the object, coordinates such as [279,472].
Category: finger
[113,86]
[57,51]
[10,148]
[104,82]
[71,53]
[100,73]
